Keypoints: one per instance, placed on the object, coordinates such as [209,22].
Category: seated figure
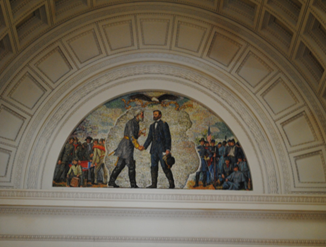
[234,181]
[75,171]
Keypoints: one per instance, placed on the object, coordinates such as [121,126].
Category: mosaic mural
[153,140]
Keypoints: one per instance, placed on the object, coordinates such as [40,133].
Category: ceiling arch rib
[296,28]
[257,70]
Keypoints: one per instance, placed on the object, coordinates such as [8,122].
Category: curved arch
[272,148]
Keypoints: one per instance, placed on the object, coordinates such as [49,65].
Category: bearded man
[160,139]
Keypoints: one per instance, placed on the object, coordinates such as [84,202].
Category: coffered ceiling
[296,28]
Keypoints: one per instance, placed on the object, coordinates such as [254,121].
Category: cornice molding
[163,213]
[179,199]
[175,240]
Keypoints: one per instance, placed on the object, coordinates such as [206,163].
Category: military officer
[125,150]
[160,139]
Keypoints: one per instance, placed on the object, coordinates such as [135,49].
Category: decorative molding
[165,240]
[27,74]
[280,80]
[320,153]
[291,119]
[128,195]
[162,213]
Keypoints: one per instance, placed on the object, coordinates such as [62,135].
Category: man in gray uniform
[234,181]
[65,158]
[125,150]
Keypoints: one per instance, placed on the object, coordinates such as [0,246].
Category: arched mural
[153,140]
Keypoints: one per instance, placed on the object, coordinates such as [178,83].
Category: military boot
[132,177]
[205,179]
[169,176]
[197,180]
[113,177]
[154,174]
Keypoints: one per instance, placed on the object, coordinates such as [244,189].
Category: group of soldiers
[223,165]
[91,152]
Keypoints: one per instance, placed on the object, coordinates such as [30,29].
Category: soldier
[89,148]
[159,138]
[213,161]
[89,155]
[65,158]
[231,152]
[75,142]
[203,153]
[125,150]
[227,169]
[75,171]
[234,181]
[243,167]
[98,160]
[79,153]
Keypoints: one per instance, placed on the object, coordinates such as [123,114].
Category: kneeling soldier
[75,171]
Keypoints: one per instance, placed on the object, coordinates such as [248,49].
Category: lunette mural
[153,140]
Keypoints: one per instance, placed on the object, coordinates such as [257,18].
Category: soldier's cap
[219,143]
[75,160]
[233,140]
[238,143]
[229,140]
[95,140]
[235,167]
[88,137]
[240,157]
[213,141]
[202,140]
[102,139]
[224,142]
[206,142]
[226,159]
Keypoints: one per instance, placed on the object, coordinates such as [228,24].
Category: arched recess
[72,103]
[262,128]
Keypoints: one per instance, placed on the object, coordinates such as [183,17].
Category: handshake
[141,148]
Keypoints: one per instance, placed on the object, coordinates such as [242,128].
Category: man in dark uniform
[89,155]
[231,152]
[203,154]
[213,161]
[65,157]
[160,139]
[125,150]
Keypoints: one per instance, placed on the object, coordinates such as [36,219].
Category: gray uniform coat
[126,146]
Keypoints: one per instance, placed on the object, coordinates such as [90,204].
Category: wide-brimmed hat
[88,137]
[169,160]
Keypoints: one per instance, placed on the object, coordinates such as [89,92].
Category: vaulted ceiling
[296,28]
